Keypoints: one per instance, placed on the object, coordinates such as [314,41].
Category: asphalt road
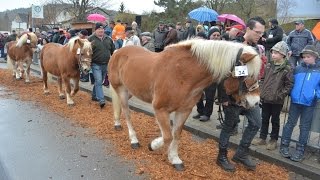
[36,144]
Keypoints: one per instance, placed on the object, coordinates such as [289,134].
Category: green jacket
[102,49]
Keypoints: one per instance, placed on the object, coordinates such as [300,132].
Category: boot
[297,156]
[223,161]
[284,148]
[272,145]
[259,142]
[242,156]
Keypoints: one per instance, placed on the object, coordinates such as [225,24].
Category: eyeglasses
[215,35]
[258,32]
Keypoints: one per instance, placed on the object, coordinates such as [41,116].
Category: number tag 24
[241,70]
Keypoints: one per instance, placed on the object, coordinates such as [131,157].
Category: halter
[242,79]
[80,61]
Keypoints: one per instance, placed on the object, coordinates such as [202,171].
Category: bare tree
[218,5]
[284,7]
[51,12]
[79,7]
[246,7]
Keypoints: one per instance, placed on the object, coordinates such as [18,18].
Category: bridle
[243,80]
[81,60]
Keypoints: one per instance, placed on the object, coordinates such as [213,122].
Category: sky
[136,6]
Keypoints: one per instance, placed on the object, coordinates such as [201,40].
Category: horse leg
[21,69]
[45,81]
[28,71]
[61,94]
[15,69]
[76,86]
[67,87]
[124,97]
[11,64]
[173,156]
[116,105]
[162,117]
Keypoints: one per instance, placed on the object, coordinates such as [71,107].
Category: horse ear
[80,42]
[246,57]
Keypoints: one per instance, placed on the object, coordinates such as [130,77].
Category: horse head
[243,86]
[223,59]
[83,51]
[29,39]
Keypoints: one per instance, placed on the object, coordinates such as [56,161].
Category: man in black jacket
[254,31]
[102,49]
[272,37]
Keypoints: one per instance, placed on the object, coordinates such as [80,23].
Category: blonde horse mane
[23,39]
[72,42]
[220,56]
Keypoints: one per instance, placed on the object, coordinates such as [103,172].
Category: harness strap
[253,87]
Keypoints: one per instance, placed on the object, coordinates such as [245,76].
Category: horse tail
[116,104]
[41,62]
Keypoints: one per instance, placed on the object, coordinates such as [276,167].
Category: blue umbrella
[203,14]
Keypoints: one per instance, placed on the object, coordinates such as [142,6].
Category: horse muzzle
[86,69]
[250,101]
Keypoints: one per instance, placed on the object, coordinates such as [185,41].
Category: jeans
[305,113]
[294,61]
[118,43]
[2,54]
[232,113]
[206,109]
[273,111]
[99,71]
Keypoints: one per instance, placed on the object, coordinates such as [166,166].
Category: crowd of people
[290,67]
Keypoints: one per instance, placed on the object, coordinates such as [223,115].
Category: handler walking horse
[65,62]
[173,81]
[20,52]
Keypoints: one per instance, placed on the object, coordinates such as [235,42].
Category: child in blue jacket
[303,100]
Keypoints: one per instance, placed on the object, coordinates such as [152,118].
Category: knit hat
[84,32]
[310,49]
[212,30]
[281,47]
[99,25]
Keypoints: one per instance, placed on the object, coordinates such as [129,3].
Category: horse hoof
[70,105]
[118,127]
[135,145]
[62,97]
[179,167]
[149,147]
[46,93]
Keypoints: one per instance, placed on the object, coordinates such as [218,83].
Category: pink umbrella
[232,17]
[96,17]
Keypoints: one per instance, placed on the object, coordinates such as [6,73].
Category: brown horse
[20,52]
[65,62]
[173,81]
